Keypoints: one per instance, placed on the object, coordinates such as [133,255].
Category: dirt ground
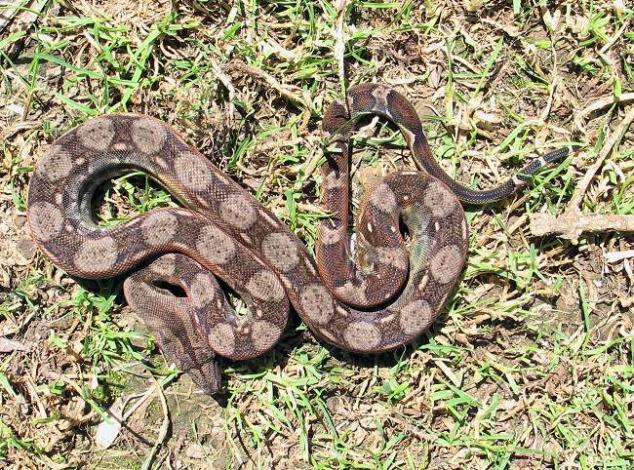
[531,364]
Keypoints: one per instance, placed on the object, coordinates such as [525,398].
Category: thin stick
[601,103]
[340,44]
[571,224]
[612,142]
[147,464]
[302,101]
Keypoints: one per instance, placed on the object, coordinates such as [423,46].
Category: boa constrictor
[383,301]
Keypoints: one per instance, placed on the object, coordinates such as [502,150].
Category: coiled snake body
[384,300]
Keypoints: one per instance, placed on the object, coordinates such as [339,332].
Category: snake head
[171,320]
[202,367]
[336,123]
[189,352]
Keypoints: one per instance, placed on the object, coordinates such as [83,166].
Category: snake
[178,262]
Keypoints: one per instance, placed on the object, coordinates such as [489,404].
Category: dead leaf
[109,428]
[9,345]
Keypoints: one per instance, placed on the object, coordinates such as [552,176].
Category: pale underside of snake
[385,298]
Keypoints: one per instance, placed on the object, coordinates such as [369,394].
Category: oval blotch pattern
[165,265]
[96,134]
[222,339]
[415,317]
[264,285]
[148,135]
[159,228]
[237,210]
[215,244]
[280,250]
[383,198]
[439,199]
[317,303]
[446,263]
[203,290]
[264,335]
[192,171]
[96,255]
[362,335]
[56,164]
[46,221]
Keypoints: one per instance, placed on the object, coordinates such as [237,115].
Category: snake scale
[385,299]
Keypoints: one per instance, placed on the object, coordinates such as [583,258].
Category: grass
[530,366]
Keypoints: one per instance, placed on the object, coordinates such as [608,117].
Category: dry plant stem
[29,10]
[147,464]
[617,256]
[340,42]
[303,101]
[19,327]
[572,223]
[615,38]
[8,345]
[605,151]
[7,15]
[601,103]
[226,82]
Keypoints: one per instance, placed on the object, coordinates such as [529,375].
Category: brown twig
[601,103]
[572,224]
[612,142]
[163,431]
[340,43]
[294,94]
